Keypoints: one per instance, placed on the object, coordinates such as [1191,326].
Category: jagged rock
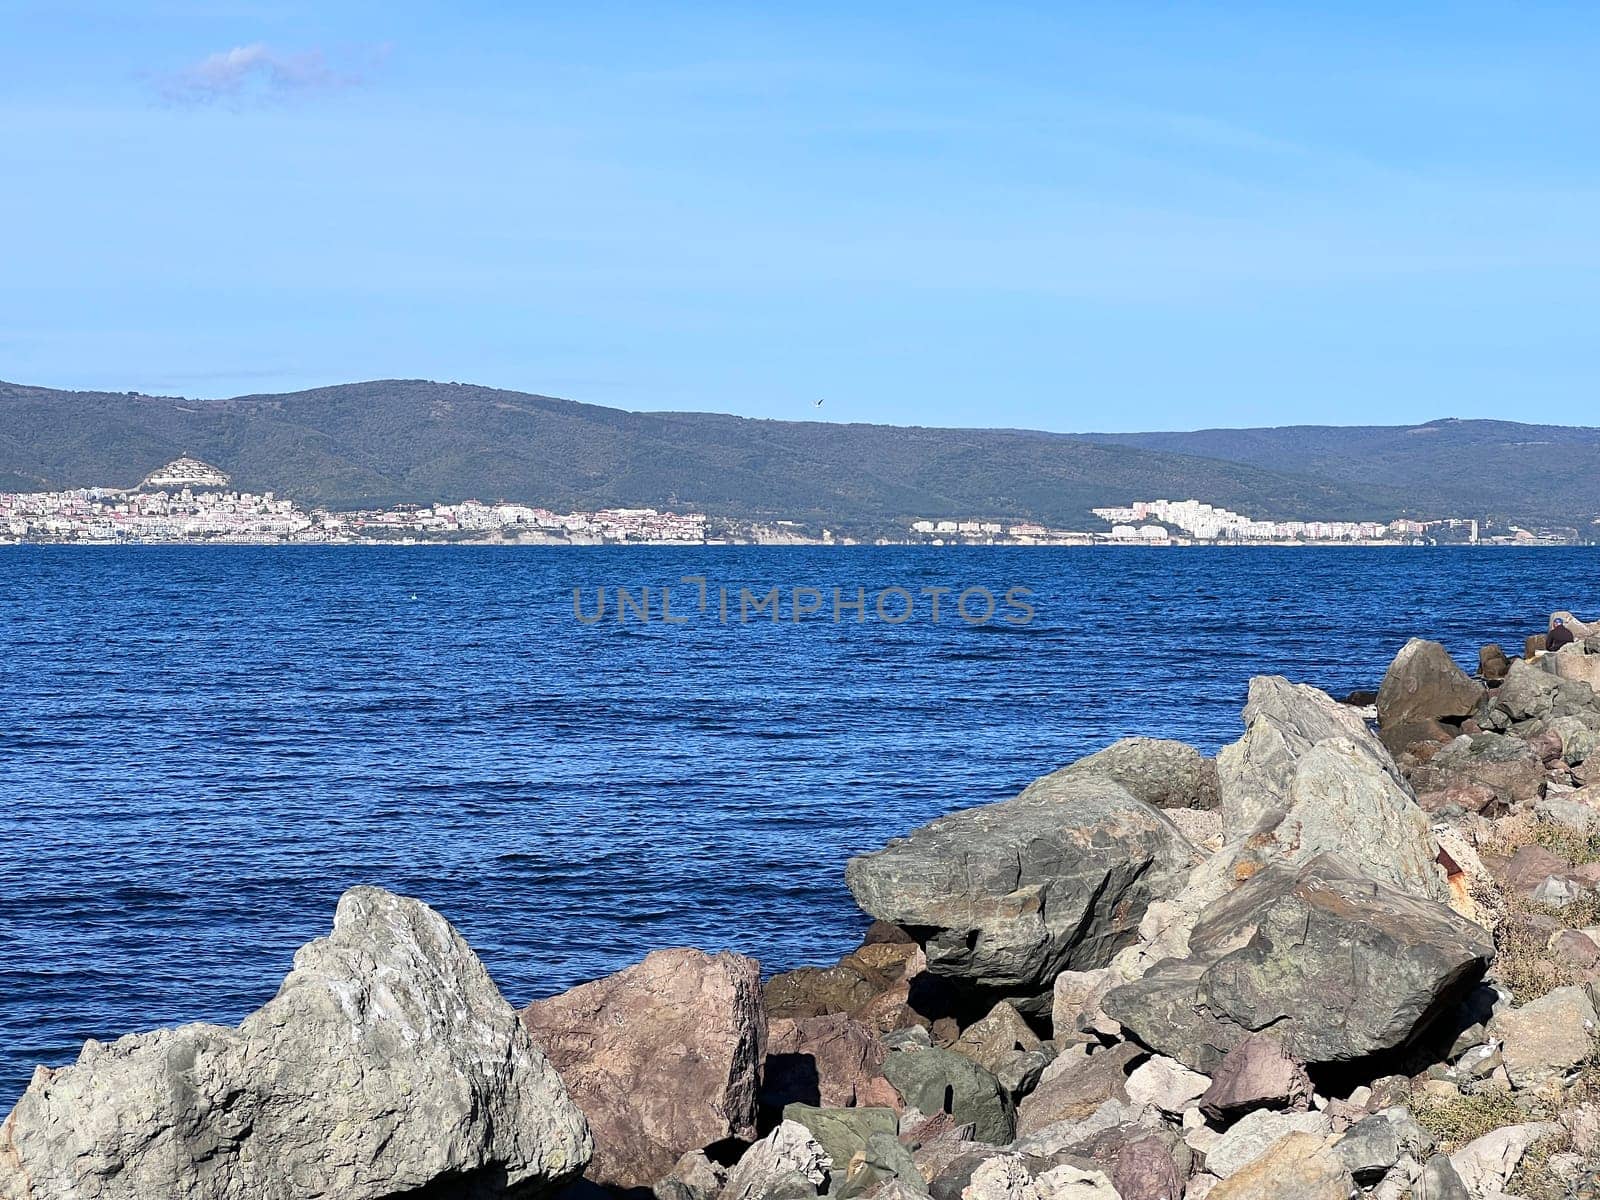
[1166,1084]
[1010,1177]
[1439,1181]
[663,1057]
[1485,1164]
[1282,721]
[768,1169]
[1423,683]
[1019,1072]
[1162,773]
[1075,1003]
[1114,1121]
[843,1133]
[832,1060]
[1256,1073]
[1342,800]
[387,1062]
[1547,1036]
[883,1162]
[1535,695]
[1200,1186]
[1506,765]
[933,1080]
[1370,1147]
[1202,826]
[1381,964]
[1146,1168]
[1493,665]
[1573,663]
[1298,1167]
[993,1039]
[1578,741]
[1012,894]
[1253,1134]
[1077,1084]
[694,1177]
[1420,738]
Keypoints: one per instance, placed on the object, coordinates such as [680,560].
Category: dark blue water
[200,748]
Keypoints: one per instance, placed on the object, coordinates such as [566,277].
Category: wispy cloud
[257,73]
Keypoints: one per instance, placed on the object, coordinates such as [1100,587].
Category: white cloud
[257,72]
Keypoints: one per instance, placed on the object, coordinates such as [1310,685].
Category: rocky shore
[1357,953]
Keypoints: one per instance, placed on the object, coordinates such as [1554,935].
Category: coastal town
[188,500]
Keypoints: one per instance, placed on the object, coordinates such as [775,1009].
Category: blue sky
[1112,216]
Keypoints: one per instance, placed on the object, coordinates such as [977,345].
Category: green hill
[387,441]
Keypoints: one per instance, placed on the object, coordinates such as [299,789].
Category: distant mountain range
[378,443]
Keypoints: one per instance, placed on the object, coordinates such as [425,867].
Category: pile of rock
[1335,960]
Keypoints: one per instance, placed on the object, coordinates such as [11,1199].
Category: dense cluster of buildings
[189,500]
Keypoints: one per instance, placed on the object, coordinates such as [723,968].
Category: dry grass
[1523,961]
[1455,1121]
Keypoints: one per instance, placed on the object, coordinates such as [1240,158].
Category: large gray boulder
[933,1080]
[1533,695]
[1283,720]
[1007,896]
[1336,965]
[1423,683]
[1163,773]
[1508,766]
[662,1057]
[388,1062]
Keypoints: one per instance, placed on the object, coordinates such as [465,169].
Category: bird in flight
[818,404]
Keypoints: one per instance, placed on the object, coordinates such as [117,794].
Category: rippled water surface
[200,748]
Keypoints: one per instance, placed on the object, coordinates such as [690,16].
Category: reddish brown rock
[1468,797]
[1575,949]
[830,1061]
[1421,738]
[1493,665]
[1076,1084]
[1529,867]
[1256,1074]
[1533,644]
[1147,1169]
[1547,746]
[663,1058]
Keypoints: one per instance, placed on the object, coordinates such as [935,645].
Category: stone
[1506,765]
[1370,1147]
[989,1041]
[831,1060]
[1421,738]
[1528,869]
[1463,797]
[1200,1186]
[1282,721]
[1535,694]
[1077,1084]
[1253,1134]
[663,1057]
[1075,1003]
[1145,1169]
[1572,663]
[387,1063]
[882,1162]
[1256,1073]
[1011,1177]
[1493,665]
[842,1133]
[1439,1181]
[1381,964]
[934,1080]
[1575,948]
[1202,826]
[693,1177]
[1485,1164]
[1342,800]
[1164,774]
[1548,1036]
[1019,1071]
[1166,1084]
[1113,1121]
[1007,896]
[1423,683]
[767,1169]
[815,991]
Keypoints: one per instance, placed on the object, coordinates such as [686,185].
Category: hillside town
[188,500]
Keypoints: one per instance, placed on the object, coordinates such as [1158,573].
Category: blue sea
[201,747]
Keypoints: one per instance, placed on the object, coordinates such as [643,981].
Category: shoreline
[1016,1011]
